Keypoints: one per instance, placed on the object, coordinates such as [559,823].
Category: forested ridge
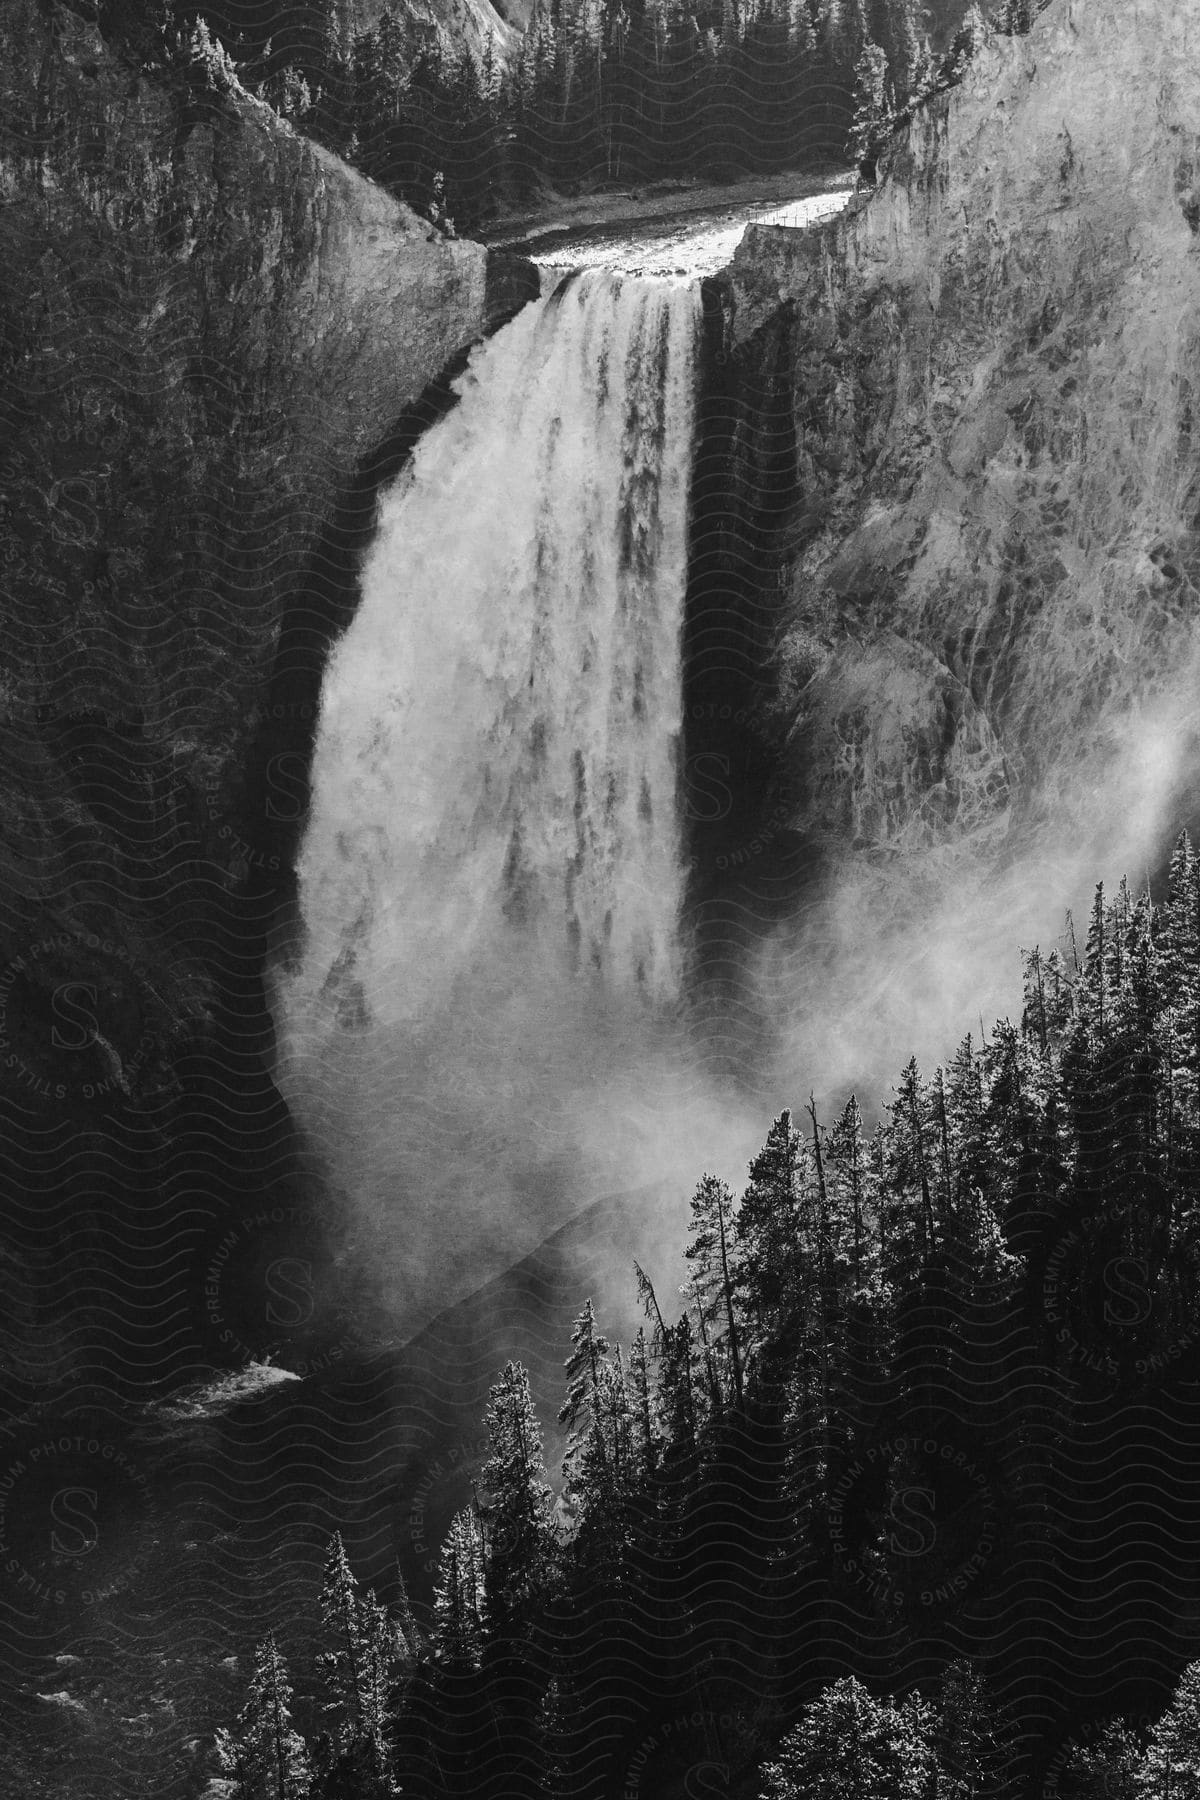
[859,1510]
[597,91]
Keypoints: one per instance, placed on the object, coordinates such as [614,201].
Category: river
[691,233]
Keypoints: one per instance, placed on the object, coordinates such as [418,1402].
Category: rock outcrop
[209,322]
[217,339]
[982,554]
[453,24]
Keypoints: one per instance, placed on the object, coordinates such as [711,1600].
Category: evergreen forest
[894,1499]
[597,92]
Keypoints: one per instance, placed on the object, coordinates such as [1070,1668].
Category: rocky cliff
[209,322]
[217,340]
[450,23]
[959,430]
[943,594]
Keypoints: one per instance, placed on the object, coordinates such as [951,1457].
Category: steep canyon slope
[960,446]
[948,478]
[216,337]
[208,323]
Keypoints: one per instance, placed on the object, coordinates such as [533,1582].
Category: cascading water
[492,874]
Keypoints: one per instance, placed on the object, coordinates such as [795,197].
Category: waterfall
[492,874]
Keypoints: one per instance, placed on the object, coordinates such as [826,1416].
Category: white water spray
[492,875]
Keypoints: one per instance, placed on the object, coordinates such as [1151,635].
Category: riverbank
[559,220]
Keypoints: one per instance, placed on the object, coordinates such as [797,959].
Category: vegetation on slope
[916,1429]
[599,91]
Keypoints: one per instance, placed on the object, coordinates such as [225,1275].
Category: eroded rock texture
[977,628]
[210,327]
[208,322]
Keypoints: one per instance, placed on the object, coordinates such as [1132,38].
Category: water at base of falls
[492,874]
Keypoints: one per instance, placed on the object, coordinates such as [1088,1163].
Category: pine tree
[1171,1767]
[650,1307]
[1107,1768]
[604,1481]
[553,1735]
[1179,943]
[854,1200]
[1139,1018]
[915,1772]
[343,1664]
[1015,17]
[1091,1061]
[643,1430]
[517,1510]
[858,31]
[358,1666]
[262,1754]
[832,28]
[850,1746]
[287,92]
[369,97]
[614,1429]
[771,1235]
[964,45]
[968,1151]
[802,36]
[677,1398]
[210,67]
[331,79]
[712,1382]
[589,1350]
[387,1667]
[974,1746]
[411,1637]
[1179,922]
[710,1253]
[806,1459]
[1097,959]
[238,1778]
[458,1595]
[872,113]
[909,1143]
[1035,1014]
[914,72]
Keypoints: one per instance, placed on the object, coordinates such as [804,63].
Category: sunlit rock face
[211,319]
[983,602]
[452,24]
[208,321]
[891,750]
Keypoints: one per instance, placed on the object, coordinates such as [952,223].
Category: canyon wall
[974,642]
[217,340]
[209,322]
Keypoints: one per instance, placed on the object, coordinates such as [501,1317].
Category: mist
[484,1028]
[889,962]
[493,1020]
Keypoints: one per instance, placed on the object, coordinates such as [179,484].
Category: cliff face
[209,321]
[983,567]
[452,23]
